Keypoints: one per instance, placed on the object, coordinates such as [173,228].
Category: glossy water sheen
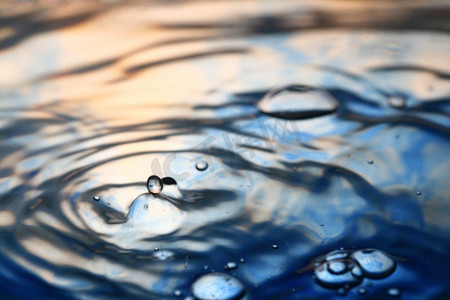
[96,97]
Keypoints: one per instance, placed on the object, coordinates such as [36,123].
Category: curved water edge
[262,141]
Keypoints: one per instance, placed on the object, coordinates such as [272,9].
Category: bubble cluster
[217,286]
[345,269]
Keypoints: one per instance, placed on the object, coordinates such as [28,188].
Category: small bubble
[242,260]
[154,184]
[362,291]
[156,249]
[418,193]
[231,265]
[322,224]
[201,165]
[96,198]
[177,293]
[274,246]
[394,292]
[370,162]
[337,267]
[396,101]
[217,286]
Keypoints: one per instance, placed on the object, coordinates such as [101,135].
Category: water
[280,132]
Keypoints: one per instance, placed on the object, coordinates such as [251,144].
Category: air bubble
[201,165]
[327,278]
[418,193]
[337,267]
[231,265]
[217,286]
[394,292]
[374,263]
[154,184]
[274,246]
[396,101]
[96,198]
[297,102]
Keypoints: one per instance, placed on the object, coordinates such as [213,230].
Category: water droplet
[322,224]
[96,198]
[205,267]
[362,291]
[418,193]
[396,101]
[242,260]
[217,286]
[201,165]
[393,292]
[156,249]
[337,267]
[297,102]
[274,246]
[146,206]
[329,279]
[374,263]
[231,265]
[154,184]
[177,293]
[370,162]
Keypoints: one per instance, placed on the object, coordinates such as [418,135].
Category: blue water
[277,132]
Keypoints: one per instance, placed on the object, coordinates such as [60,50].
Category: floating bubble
[201,165]
[328,278]
[217,286]
[337,267]
[374,263]
[394,292]
[297,102]
[396,101]
[154,184]
[231,265]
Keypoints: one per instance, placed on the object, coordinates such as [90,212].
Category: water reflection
[97,100]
